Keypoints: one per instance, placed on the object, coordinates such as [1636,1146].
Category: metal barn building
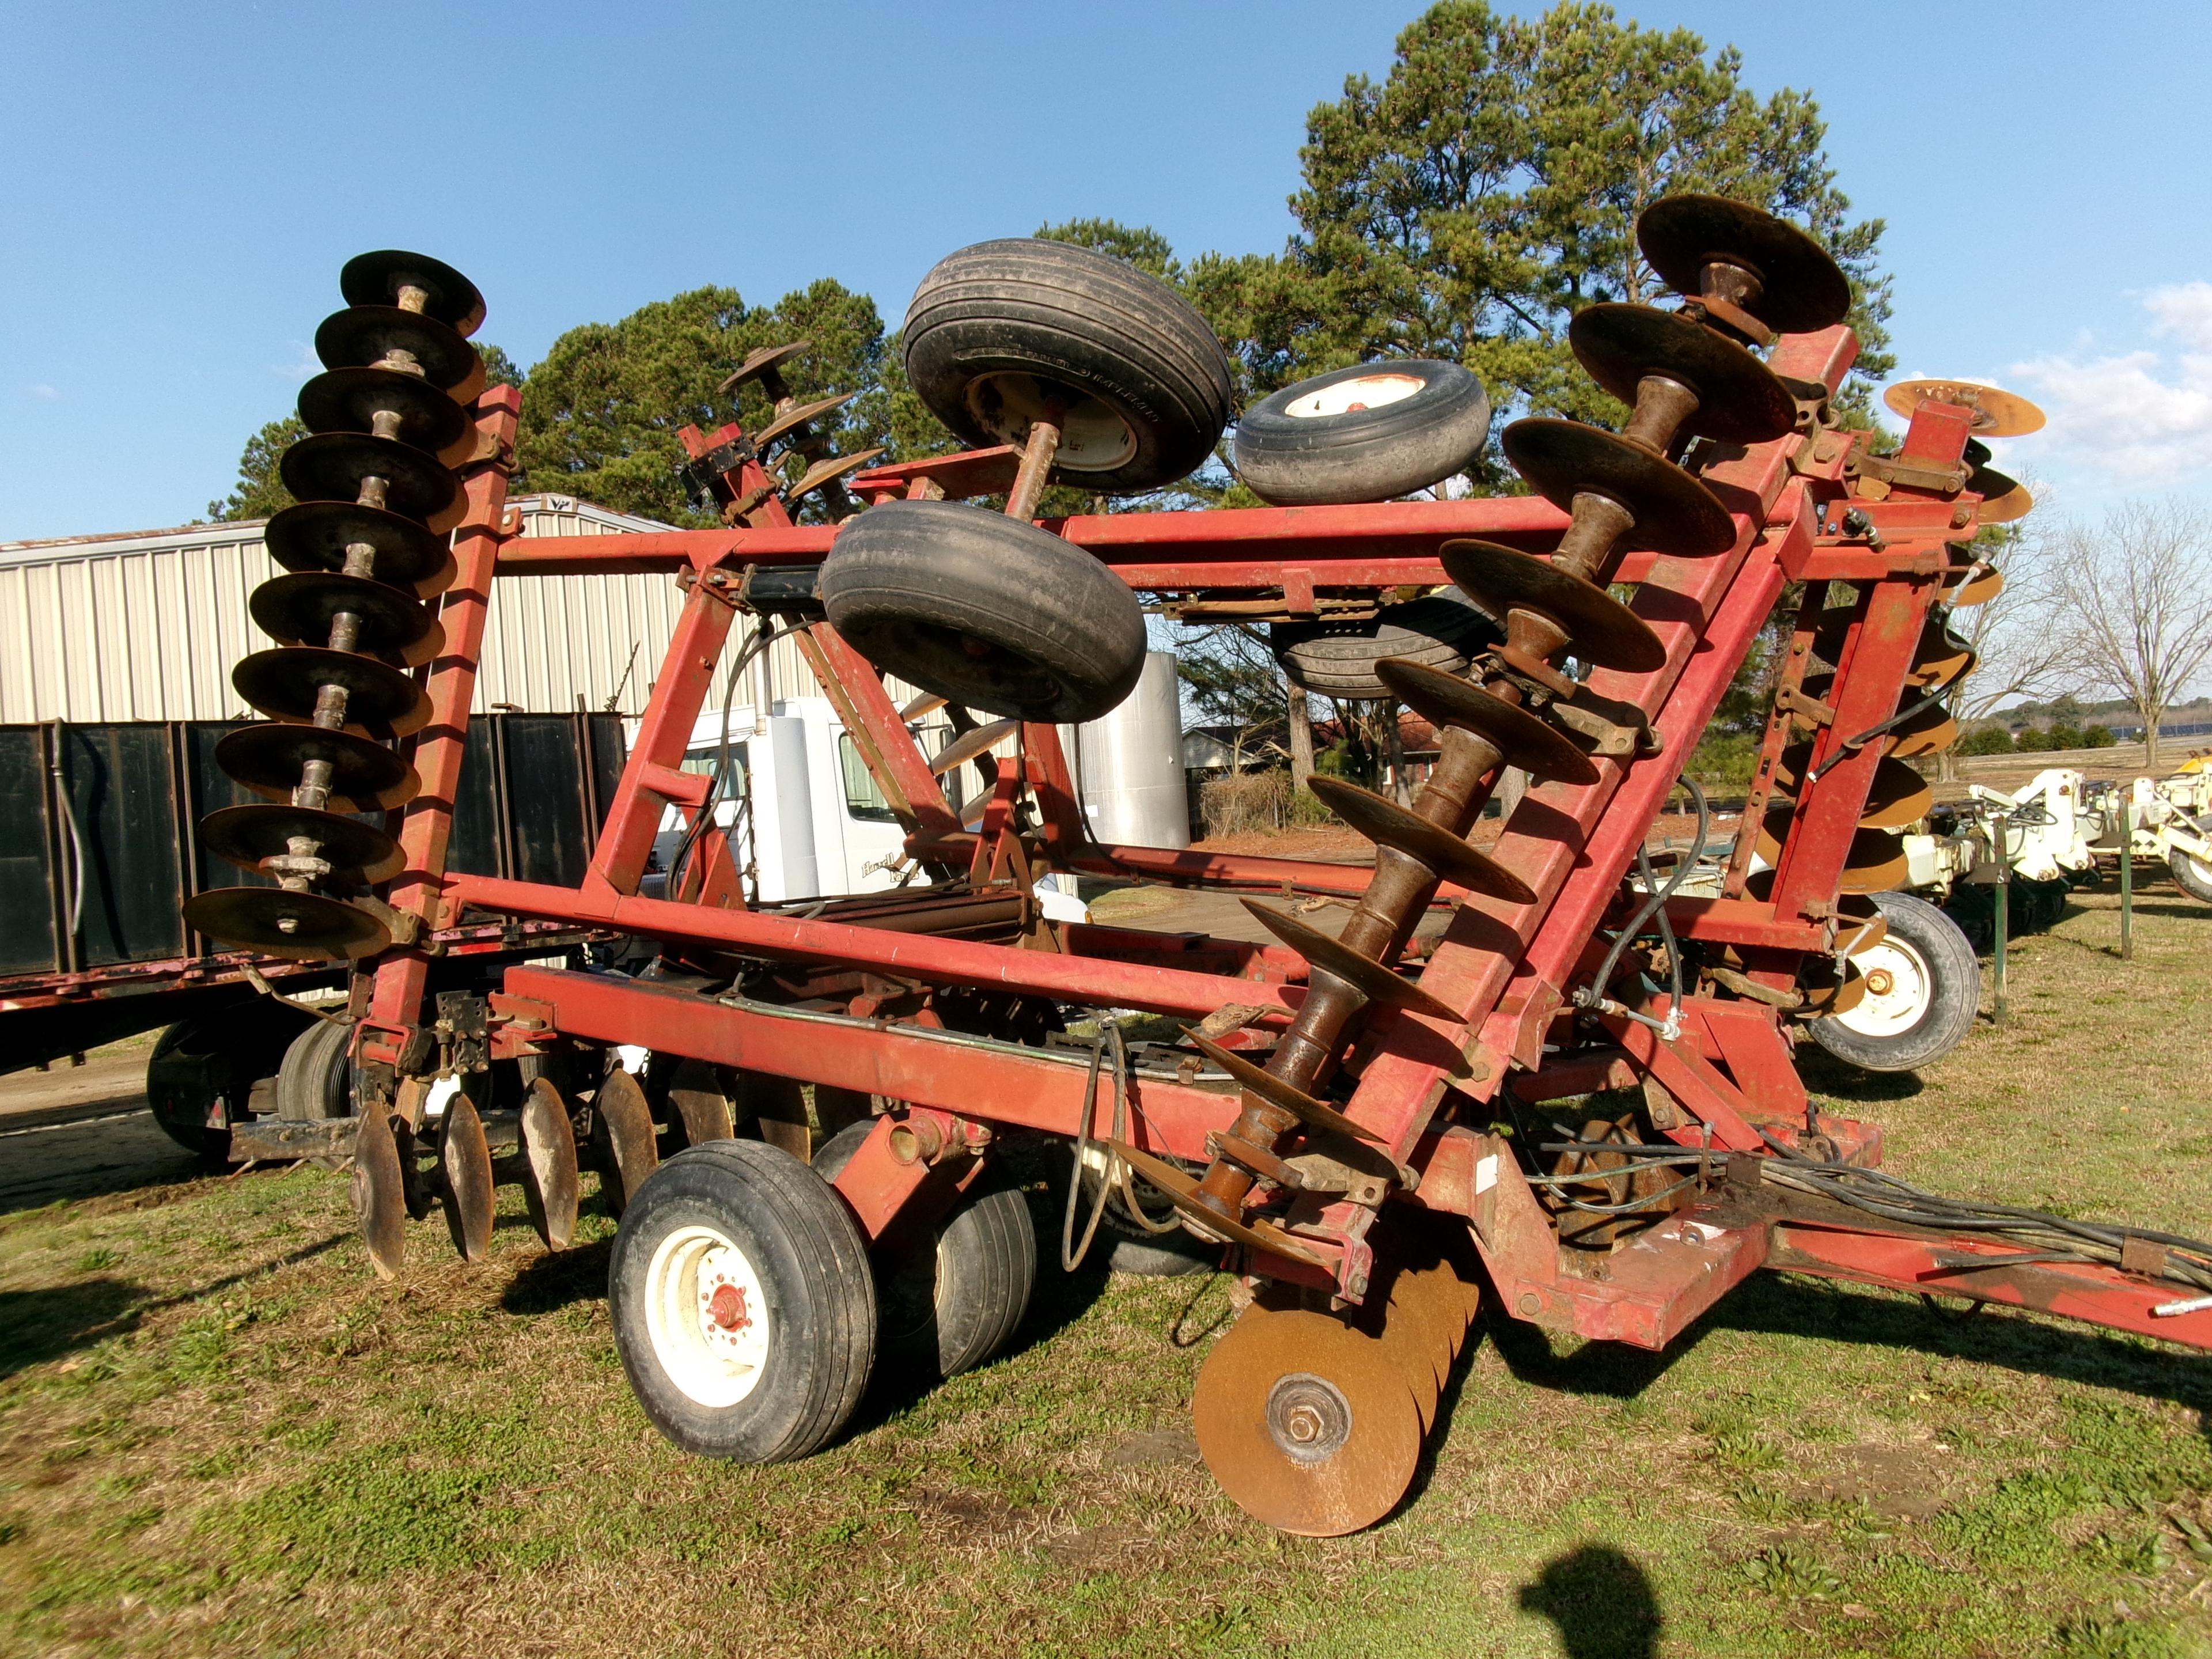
[146,625]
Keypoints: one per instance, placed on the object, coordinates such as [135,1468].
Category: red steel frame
[1507,971]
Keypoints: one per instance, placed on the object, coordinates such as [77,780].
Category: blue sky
[182,182]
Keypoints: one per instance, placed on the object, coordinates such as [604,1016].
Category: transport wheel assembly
[743,1306]
[1365,433]
[1923,987]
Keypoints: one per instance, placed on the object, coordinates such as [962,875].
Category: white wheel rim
[1092,437]
[706,1316]
[1899,989]
[1348,396]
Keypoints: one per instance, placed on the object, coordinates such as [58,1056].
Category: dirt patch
[1899,1483]
[1154,1449]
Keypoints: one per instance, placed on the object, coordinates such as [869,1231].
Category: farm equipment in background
[2168,820]
[1370,1147]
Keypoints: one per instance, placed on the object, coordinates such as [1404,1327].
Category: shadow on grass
[1601,1601]
[1805,1307]
[1824,1074]
[37,1326]
[559,1279]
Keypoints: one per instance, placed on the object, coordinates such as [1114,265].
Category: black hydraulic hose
[1590,995]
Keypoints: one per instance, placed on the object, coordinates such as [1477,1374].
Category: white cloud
[44,394]
[304,366]
[2138,419]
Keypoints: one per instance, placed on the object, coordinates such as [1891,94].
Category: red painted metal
[1508,972]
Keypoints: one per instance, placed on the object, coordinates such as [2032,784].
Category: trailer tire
[1369,433]
[1933,992]
[990,612]
[997,329]
[315,1082]
[951,1310]
[1438,630]
[771,1370]
[2191,875]
[212,1060]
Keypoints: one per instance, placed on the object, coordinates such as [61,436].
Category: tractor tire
[315,1082]
[207,1067]
[1926,990]
[1369,433]
[950,1310]
[997,331]
[2191,875]
[743,1304]
[987,610]
[1337,659]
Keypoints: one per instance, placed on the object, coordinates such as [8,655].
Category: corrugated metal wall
[147,627]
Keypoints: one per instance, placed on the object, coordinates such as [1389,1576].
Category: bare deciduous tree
[2135,597]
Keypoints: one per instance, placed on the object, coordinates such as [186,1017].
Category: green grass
[219,1434]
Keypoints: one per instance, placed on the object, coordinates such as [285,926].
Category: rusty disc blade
[244,835]
[1314,1114]
[1371,979]
[967,747]
[1831,986]
[1802,288]
[1672,512]
[298,926]
[465,1165]
[365,776]
[297,609]
[696,1101]
[1942,657]
[364,335]
[1739,399]
[381,700]
[376,279]
[315,536]
[1432,845]
[798,415]
[766,361]
[2003,499]
[549,1162]
[1896,796]
[378,1187]
[829,467]
[623,1135]
[331,466]
[1520,739]
[1929,730]
[1425,1314]
[350,400]
[925,703]
[1996,414]
[1600,628]
[1974,586]
[1307,1424]
[1181,1190]
[1875,863]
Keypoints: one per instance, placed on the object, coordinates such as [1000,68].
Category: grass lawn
[219,1434]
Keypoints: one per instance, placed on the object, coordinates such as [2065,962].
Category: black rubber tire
[1955,980]
[949,1311]
[214,1058]
[995,324]
[984,609]
[1371,454]
[315,1082]
[812,1264]
[1439,630]
[2189,876]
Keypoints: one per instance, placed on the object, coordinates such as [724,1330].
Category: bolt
[1530,1302]
[1303,1424]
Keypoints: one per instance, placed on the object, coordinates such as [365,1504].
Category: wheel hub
[706,1317]
[1307,1417]
[1348,396]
